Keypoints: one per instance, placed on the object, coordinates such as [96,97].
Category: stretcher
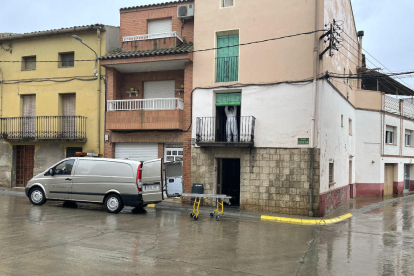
[220,199]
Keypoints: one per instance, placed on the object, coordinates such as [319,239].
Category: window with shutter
[228,99]
[408,138]
[228,3]
[160,26]
[29,116]
[331,173]
[29,63]
[68,112]
[67,59]
[389,135]
[227,60]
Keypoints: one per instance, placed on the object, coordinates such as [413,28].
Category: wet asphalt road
[56,240]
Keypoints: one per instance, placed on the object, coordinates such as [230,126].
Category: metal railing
[146,104]
[227,69]
[214,129]
[43,128]
[152,36]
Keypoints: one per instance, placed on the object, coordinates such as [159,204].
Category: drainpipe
[98,32]
[313,135]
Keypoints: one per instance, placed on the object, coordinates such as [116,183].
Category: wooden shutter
[160,26]
[29,106]
[69,105]
[228,99]
[227,58]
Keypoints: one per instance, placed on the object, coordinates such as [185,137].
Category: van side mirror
[51,172]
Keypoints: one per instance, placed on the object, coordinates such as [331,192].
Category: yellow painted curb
[151,206]
[306,221]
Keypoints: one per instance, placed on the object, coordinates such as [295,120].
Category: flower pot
[132,89]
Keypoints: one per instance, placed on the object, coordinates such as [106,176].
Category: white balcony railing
[152,36]
[146,104]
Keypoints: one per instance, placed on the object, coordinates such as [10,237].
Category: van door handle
[68,179]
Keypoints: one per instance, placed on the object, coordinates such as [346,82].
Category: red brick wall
[331,200]
[173,137]
[188,87]
[144,120]
[160,150]
[135,21]
[136,80]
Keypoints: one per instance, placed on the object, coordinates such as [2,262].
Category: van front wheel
[113,204]
[37,196]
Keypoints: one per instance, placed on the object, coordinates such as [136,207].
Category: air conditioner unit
[185,11]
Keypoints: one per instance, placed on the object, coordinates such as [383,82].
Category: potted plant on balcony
[132,89]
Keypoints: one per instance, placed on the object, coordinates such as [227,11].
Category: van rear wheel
[113,204]
[37,196]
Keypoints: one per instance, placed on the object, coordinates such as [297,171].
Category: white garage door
[159,89]
[136,151]
[160,26]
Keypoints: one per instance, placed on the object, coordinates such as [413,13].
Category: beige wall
[367,99]
[287,59]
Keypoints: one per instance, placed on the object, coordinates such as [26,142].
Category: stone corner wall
[6,160]
[271,179]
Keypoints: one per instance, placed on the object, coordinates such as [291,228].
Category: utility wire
[17,61]
[54,79]
[376,59]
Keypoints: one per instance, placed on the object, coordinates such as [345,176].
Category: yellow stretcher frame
[220,199]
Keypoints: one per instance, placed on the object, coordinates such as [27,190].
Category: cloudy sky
[387,24]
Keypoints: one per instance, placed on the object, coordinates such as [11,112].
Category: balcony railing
[227,69]
[43,128]
[146,104]
[152,36]
[215,130]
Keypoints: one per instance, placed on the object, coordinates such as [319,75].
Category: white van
[113,182]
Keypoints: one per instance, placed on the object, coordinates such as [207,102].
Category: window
[342,120]
[389,135]
[331,173]
[64,168]
[71,151]
[408,138]
[228,3]
[112,169]
[173,154]
[350,127]
[66,59]
[227,60]
[160,26]
[29,63]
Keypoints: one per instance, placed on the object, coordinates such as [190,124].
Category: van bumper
[132,200]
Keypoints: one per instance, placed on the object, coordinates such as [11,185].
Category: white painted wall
[408,150]
[395,122]
[368,147]
[283,112]
[335,142]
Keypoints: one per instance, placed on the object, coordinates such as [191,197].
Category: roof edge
[155,5]
[54,32]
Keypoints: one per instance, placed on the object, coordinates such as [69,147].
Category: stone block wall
[271,179]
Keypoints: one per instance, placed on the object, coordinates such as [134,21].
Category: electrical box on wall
[185,11]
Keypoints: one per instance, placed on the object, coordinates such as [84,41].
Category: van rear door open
[152,180]
[174,178]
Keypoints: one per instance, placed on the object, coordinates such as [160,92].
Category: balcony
[211,131]
[151,41]
[145,114]
[41,128]
[401,107]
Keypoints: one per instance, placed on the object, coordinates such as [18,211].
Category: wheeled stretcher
[220,199]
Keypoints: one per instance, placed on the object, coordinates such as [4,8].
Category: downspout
[313,141]
[98,32]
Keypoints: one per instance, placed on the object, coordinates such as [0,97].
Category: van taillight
[139,175]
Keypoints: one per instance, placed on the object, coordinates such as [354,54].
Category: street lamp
[96,55]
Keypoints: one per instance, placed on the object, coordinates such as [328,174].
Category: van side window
[64,168]
[101,168]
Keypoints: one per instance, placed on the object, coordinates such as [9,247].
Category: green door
[227,58]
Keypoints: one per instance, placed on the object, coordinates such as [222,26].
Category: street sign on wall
[303,141]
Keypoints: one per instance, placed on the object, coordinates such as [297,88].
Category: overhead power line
[37,61]
[54,79]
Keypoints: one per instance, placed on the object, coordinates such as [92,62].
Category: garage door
[136,151]
[159,89]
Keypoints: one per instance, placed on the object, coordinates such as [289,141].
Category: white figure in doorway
[231,124]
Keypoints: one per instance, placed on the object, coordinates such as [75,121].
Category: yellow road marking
[306,221]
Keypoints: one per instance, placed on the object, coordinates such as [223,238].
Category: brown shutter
[68,110]
[29,106]
[30,63]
